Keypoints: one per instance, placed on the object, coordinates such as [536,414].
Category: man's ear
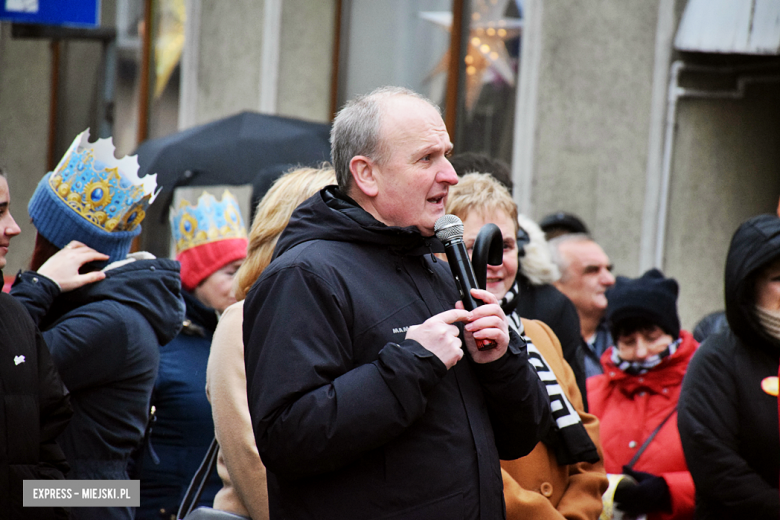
[364,175]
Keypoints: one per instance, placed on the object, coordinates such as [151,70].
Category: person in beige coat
[244,490]
[563,477]
[537,486]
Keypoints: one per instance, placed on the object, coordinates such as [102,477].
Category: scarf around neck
[568,439]
[770,320]
[635,368]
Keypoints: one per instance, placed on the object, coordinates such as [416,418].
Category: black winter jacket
[34,410]
[104,339]
[728,424]
[354,421]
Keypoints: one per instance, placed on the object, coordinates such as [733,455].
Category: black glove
[649,493]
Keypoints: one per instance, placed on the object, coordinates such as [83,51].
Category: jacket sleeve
[86,348]
[516,400]
[312,410]
[36,293]
[710,435]
[226,389]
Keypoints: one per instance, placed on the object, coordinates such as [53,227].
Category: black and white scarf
[569,439]
[636,368]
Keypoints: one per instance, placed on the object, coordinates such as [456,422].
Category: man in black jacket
[361,403]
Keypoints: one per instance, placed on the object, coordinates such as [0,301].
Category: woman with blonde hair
[563,477]
[245,491]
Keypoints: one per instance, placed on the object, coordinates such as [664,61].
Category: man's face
[414,180]
[8,227]
[587,277]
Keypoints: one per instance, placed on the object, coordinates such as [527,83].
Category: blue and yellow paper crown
[208,221]
[104,190]
[93,197]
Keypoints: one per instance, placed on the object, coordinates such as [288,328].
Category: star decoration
[487,57]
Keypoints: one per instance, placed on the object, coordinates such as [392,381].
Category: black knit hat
[650,297]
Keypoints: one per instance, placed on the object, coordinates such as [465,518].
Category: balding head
[357,131]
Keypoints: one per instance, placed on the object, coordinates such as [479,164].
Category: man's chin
[427,228]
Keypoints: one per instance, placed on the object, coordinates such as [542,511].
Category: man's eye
[426,157]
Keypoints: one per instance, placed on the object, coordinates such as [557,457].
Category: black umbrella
[247,148]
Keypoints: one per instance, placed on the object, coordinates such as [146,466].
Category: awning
[730,27]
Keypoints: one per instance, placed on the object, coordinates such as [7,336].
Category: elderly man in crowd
[363,402]
[586,274]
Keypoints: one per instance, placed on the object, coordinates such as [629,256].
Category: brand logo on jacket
[18,360]
[400,330]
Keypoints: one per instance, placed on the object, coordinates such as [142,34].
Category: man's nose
[607,278]
[447,173]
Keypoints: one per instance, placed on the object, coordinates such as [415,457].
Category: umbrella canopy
[246,148]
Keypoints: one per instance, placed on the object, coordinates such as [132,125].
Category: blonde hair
[480,192]
[272,215]
[483,193]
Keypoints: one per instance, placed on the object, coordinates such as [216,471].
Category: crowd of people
[327,361]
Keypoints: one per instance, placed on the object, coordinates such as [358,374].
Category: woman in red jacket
[636,398]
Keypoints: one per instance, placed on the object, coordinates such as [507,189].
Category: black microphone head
[448,228]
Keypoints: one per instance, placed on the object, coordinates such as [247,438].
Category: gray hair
[555,250]
[356,131]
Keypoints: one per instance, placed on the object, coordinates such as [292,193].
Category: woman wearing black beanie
[636,398]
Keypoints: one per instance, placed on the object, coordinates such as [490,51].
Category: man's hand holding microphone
[486,327]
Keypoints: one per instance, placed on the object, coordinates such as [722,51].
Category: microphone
[449,229]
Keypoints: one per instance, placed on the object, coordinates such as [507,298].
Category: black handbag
[187,510]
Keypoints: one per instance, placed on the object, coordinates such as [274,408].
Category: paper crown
[209,221]
[93,197]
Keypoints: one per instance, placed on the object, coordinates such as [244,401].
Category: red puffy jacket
[630,407]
